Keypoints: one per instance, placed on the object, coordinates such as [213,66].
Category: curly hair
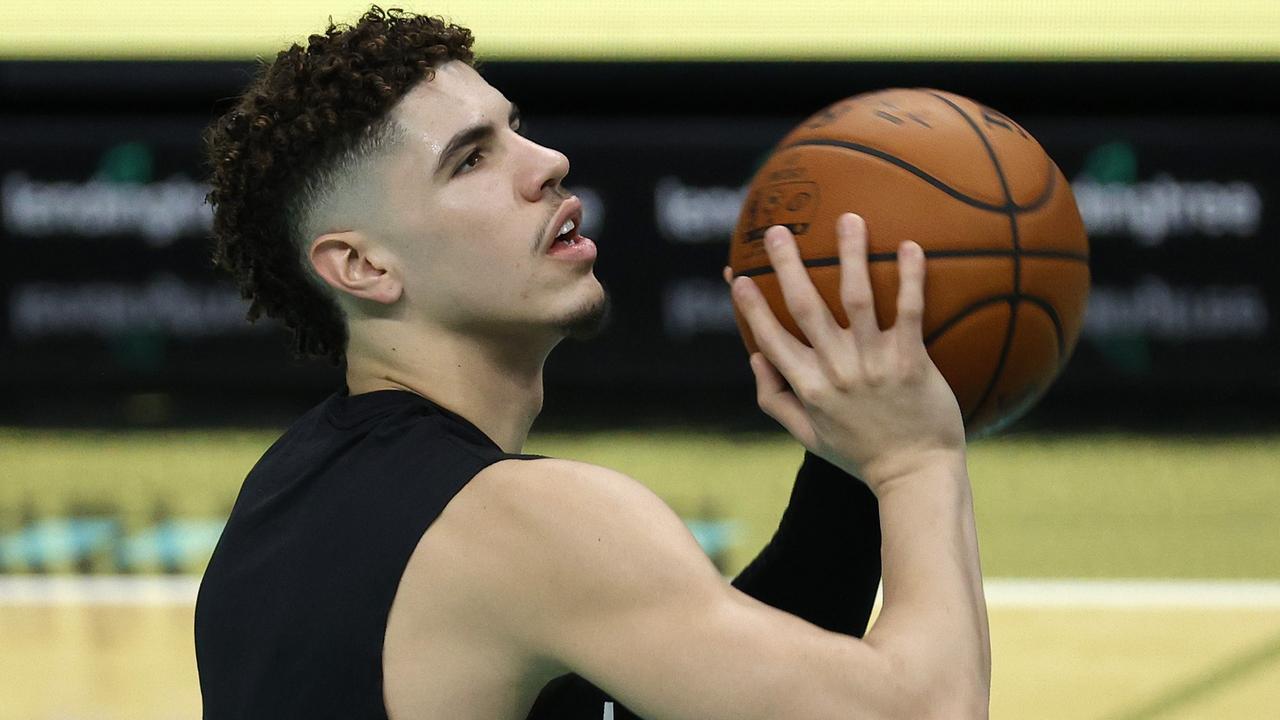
[309,117]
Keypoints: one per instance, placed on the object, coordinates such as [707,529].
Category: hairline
[337,172]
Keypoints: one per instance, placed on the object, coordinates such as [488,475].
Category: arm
[873,403]
[586,568]
[589,571]
[624,597]
[823,563]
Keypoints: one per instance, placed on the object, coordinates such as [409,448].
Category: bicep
[726,658]
[617,590]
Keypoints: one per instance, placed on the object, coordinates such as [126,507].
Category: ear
[350,263]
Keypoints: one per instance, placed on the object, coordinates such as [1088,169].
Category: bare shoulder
[550,489]
[576,512]
[529,543]
[483,599]
[554,475]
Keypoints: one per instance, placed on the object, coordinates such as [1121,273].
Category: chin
[590,318]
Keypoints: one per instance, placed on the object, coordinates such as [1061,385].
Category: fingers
[808,308]
[778,401]
[907,326]
[803,301]
[855,278]
[779,346]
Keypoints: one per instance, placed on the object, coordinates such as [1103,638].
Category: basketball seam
[931,255]
[1059,334]
[966,312]
[1041,302]
[1009,208]
[1017,260]
[1049,186]
[899,162]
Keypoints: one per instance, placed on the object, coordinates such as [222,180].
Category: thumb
[776,399]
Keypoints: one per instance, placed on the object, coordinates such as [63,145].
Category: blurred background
[1130,523]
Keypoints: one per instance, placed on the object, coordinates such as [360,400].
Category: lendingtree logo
[1114,202]
[122,198]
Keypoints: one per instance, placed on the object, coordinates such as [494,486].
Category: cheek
[482,244]
[483,261]
[488,238]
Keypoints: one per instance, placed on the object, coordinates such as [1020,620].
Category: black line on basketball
[934,255]
[1035,204]
[895,160]
[1017,261]
[1058,332]
[1044,194]
[971,309]
[945,254]
[1055,255]
[1004,356]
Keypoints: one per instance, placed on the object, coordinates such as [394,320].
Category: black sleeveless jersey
[293,608]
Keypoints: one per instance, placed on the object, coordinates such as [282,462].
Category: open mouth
[566,226]
[568,234]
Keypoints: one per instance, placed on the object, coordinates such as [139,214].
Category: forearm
[823,563]
[934,619]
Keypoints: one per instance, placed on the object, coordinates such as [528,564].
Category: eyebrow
[471,135]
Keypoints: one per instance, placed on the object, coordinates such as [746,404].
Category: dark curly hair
[310,116]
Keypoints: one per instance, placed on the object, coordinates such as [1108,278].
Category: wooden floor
[61,659]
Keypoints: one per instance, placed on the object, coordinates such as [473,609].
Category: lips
[570,209]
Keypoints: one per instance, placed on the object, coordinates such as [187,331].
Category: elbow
[956,693]
[942,705]
[974,706]
[932,705]
[966,698]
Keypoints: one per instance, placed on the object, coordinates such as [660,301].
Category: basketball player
[394,555]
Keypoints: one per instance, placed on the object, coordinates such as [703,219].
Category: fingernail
[775,237]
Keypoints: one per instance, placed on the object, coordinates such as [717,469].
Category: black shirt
[292,610]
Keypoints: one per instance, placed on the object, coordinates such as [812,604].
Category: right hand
[869,401]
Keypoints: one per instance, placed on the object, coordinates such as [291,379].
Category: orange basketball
[1007,260]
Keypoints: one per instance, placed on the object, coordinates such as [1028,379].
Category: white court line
[1146,593]
[18,590]
[98,590]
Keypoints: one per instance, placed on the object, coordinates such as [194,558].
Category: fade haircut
[308,122]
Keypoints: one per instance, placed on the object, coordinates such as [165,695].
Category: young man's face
[473,232]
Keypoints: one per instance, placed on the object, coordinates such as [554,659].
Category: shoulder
[524,489]
[576,511]
[528,542]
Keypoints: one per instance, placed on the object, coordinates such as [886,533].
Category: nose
[546,168]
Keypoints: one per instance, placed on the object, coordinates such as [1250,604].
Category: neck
[495,386]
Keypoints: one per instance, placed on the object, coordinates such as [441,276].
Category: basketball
[1007,259]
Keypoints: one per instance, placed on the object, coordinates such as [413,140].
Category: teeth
[568,225]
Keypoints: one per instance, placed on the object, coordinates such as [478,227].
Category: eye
[470,162]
